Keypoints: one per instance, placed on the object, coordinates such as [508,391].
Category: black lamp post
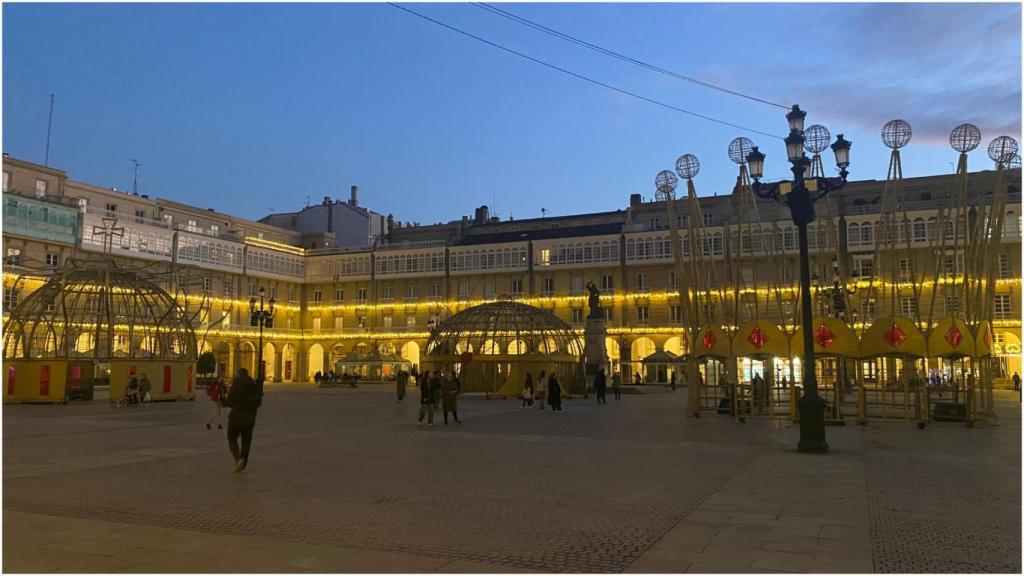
[264,318]
[800,195]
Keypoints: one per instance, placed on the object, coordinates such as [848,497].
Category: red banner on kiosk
[76,377]
[11,373]
[44,380]
[188,375]
[167,379]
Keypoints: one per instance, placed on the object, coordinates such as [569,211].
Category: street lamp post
[264,318]
[799,195]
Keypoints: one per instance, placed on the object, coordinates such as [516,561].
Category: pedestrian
[435,388]
[617,385]
[542,390]
[1016,382]
[244,399]
[554,394]
[527,394]
[401,382]
[450,399]
[317,377]
[144,387]
[600,386]
[672,381]
[132,393]
[215,390]
[426,400]
[637,380]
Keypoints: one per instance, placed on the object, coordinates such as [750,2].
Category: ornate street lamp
[799,195]
[264,318]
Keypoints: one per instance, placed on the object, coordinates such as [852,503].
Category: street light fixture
[800,195]
[264,318]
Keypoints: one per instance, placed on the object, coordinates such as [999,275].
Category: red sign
[953,336]
[757,337]
[894,336]
[10,380]
[44,380]
[824,336]
[76,376]
[709,339]
[167,379]
[131,372]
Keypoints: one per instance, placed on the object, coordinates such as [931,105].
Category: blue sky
[247,108]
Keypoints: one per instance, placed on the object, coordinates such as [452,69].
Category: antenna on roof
[307,200]
[543,212]
[135,175]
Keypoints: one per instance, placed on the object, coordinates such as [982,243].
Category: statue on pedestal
[594,301]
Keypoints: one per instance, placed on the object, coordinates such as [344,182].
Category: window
[288,323]
[40,188]
[387,294]
[317,296]
[386,322]
[676,314]
[10,296]
[577,315]
[863,267]
[361,296]
[904,270]
[227,290]
[607,283]
[410,291]
[339,295]
[655,224]
[952,305]
[53,260]
[252,290]
[1002,308]
[672,285]
[435,291]
[517,286]
[111,210]
[361,321]
[7,181]
[339,322]
[549,286]
[214,230]
[463,289]
[410,321]
[545,256]
[641,281]
[225,319]
[607,314]
[168,220]
[489,289]
[1003,270]
[908,306]
[273,292]
[207,284]
[192,226]
[869,307]
[291,294]
[576,285]
[83,205]
[316,324]
[140,216]
[920,230]
[952,265]
[642,314]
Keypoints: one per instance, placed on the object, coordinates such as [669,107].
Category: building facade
[331,301]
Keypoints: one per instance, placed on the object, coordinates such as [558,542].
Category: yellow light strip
[271,245]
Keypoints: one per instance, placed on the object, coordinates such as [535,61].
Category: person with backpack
[244,399]
[215,390]
[554,394]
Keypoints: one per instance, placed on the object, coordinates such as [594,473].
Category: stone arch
[288,363]
[247,357]
[269,361]
[674,345]
[411,352]
[316,361]
[640,348]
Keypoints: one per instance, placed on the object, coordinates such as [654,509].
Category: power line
[551,31]
[580,76]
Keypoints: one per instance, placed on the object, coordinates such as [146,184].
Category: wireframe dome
[503,328]
[99,312]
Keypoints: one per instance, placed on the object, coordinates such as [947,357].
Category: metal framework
[96,310]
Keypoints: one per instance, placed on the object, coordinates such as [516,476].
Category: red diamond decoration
[953,336]
[824,337]
[709,339]
[757,337]
[895,336]
[988,337]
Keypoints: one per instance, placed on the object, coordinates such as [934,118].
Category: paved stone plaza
[344,481]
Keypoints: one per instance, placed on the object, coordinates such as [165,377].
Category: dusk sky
[252,108]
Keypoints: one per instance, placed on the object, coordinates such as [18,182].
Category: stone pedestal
[594,348]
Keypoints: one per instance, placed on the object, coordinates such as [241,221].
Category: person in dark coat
[435,388]
[449,399]
[554,394]
[601,386]
[244,399]
[527,394]
[426,399]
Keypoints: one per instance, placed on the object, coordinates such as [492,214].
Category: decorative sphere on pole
[896,134]
[816,139]
[1001,147]
[687,166]
[965,138]
[665,185]
[739,148]
[1013,163]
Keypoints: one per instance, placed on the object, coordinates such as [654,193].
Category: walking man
[672,381]
[542,390]
[449,399]
[1016,382]
[600,386]
[554,394]
[400,384]
[426,400]
[617,385]
[244,399]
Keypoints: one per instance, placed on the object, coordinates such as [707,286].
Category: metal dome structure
[94,316]
[494,345]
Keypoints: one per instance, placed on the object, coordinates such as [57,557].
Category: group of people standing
[439,387]
[547,389]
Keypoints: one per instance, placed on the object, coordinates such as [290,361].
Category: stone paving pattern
[342,480]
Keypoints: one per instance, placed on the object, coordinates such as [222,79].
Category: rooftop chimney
[354,202]
[327,200]
[635,199]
